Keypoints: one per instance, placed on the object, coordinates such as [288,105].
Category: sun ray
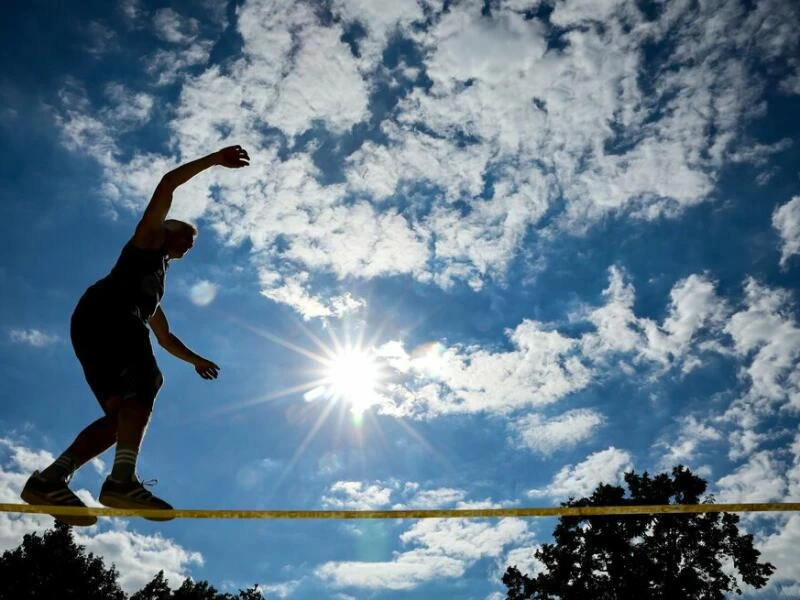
[327,350]
[302,387]
[441,458]
[306,441]
[349,374]
[278,340]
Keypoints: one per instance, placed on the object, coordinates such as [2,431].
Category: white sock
[124,464]
[61,469]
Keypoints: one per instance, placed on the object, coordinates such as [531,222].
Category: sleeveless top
[134,286]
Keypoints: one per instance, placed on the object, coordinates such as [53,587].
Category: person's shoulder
[147,238]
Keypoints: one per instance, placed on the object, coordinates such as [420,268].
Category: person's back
[135,285]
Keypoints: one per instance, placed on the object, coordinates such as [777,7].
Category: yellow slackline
[461,513]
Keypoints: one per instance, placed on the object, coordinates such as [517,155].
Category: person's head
[178,237]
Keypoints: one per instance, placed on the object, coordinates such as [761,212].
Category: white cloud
[793,475]
[126,109]
[173,27]
[786,220]
[102,39]
[605,466]
[569,127]
[766,336]
[203,292]
[359,495]
[279,590]
[694,309]
[758,480]
[693,432]
[545,366]
[524,559]
[463,539]
[445,549]
[406,571]
[32,337]
[139,557]
[132,11]
[428,499]
[166,65]
[441,547]
[324,84]
[542,368]
[780,549]
[293,291]
[355,495]
[563,431]
[380,20]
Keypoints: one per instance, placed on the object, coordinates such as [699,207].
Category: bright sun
[353,375]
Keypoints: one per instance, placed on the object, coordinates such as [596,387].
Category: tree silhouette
[53,566]
[157,589]
[251,593]
[200,590]
[659,557]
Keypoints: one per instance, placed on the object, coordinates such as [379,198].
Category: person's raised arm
[148,230]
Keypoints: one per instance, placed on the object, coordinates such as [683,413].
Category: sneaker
[54,492]
[131,494]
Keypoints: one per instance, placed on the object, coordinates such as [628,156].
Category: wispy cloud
[605,466]
[546,365]
[767,338]
[279,590]
[684,448]
[563,431]
[760,479]
[355,495]
[572,129]
[444,548]
[173,27]
[32,337]
[786,220]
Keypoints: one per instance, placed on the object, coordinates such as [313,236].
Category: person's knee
[144,384]
[112,404]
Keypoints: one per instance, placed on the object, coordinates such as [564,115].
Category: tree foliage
[52,566]
[660,556]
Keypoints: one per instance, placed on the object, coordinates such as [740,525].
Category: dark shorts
[115,353]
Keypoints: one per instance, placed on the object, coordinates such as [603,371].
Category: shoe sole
[113,501]
[36,499]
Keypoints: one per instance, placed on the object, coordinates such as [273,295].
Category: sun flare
[353,376]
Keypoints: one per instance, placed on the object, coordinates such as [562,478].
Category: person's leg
[95,439]
[133,417]
[122,489]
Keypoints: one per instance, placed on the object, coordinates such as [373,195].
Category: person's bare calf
[96,438]
[133,417]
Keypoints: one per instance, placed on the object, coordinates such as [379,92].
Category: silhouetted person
[110,337]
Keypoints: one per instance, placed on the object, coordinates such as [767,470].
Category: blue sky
[564,235]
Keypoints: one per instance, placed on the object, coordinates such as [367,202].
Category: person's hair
[180,226]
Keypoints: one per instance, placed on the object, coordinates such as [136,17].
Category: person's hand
[233,157]
[206,369]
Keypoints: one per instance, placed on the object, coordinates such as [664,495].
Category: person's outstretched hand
[233,157]
[206,369]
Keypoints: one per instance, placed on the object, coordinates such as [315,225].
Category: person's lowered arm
[170,342]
